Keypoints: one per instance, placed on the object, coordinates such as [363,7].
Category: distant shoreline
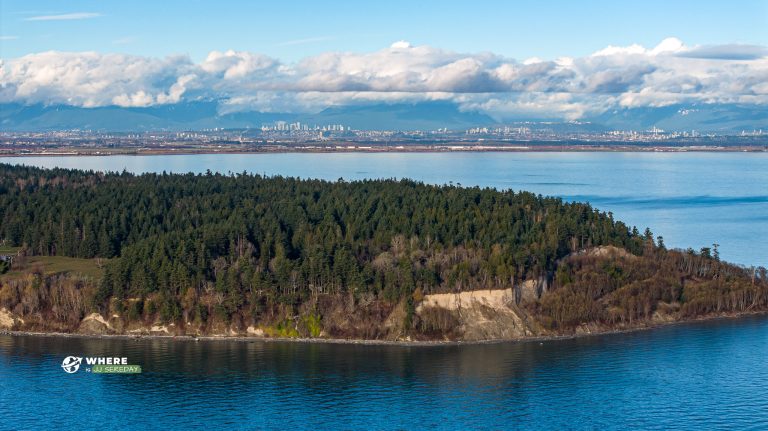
[399,343]
[390,150]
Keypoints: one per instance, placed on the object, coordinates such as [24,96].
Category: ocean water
[699,376]
[692,199]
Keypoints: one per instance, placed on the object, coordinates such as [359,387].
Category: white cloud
[401,44]
[90,79]
[567,87]
[666,46]
[611,50]
[9,37]
[64,16]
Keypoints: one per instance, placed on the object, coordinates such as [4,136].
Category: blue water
[691,199]
[699,376]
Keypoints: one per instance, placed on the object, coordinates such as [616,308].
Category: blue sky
[557,59]
[291,30]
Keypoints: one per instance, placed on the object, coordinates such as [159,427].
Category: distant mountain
[402,116]
[205,115]
[723,118]
[181,116]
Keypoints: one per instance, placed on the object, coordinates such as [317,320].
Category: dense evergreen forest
[244,248]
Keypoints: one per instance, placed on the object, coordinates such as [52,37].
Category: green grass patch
[51,265]
[284,329]
[313,325]
[4,249]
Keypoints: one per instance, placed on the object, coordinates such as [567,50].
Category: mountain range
[200,115]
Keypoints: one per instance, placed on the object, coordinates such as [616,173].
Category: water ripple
[709,375]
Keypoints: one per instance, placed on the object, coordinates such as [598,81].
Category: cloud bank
[568,87]
[64,16]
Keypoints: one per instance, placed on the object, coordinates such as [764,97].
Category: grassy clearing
[8,250]
[51,265]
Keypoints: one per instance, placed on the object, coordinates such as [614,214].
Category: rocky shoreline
[377,342]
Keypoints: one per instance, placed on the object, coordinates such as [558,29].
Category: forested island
[247,255]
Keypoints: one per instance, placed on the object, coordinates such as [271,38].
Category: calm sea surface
[700,376]
[692,199]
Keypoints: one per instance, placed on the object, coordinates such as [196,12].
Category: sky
[304,55]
